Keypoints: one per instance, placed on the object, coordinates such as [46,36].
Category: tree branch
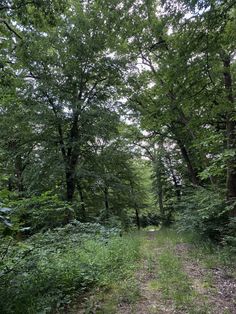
[10,28]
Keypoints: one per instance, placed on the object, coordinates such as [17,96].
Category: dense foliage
[112,114]
[50,269]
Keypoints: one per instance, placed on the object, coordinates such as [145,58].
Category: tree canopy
[97,94]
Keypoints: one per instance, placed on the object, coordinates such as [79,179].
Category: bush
[5,222]
[230,236]
[40,213]
[150,219]
[111,219]
[48,270]
[203,211]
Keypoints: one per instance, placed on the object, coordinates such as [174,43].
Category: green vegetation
[117,116]
[50,270]
[181,266]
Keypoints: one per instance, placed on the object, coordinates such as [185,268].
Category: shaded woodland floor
[174,275]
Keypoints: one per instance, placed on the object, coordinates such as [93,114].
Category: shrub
[204,211]
[150,219]
[40,213]
[230,236]
[49,270]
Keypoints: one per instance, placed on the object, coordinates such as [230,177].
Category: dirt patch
[225,296]
[218,288]
[151,235]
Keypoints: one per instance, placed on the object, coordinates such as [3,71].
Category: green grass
[212,256]
[171,236]
[172,281]
[176,286]
[168,276]
[206,252]
[119,286]
[125,292]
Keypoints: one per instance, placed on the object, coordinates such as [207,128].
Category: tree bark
[137,217]
[160,198]
[10,184]
[19,168]
[135,206]
[175,179]
[160,190]
[70,183]
[70,152]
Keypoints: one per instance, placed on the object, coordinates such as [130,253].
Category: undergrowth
[50,275]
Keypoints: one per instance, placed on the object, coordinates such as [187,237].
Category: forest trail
[173,276]
[173,280]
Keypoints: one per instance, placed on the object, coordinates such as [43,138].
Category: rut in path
[218,296]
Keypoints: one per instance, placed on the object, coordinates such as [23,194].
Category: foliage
[4,216]
[125,112]
[40,213]
[55,272]
[150,219]
[230,235]
[203,211]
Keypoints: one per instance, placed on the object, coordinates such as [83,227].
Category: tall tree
[72,74]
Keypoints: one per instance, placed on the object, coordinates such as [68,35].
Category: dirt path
[216,284]
[171,279]
[204,290]
[150,300]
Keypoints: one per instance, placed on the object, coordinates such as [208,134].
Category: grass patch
[213,256]
[206,252]
[126,292]
[173,281]
[170,236]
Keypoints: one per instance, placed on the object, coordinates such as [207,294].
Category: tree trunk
[19,168]
[137,217]
[175,179]
[71,157]
[106,201]
[177,187]
[82,204]
[192,171]
[70,182]
[135,206]
[160,194]
[231,136]
[10,184]
[70,152]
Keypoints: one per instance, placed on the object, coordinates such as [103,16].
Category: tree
[185,90]
[72,79]
[208,46]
